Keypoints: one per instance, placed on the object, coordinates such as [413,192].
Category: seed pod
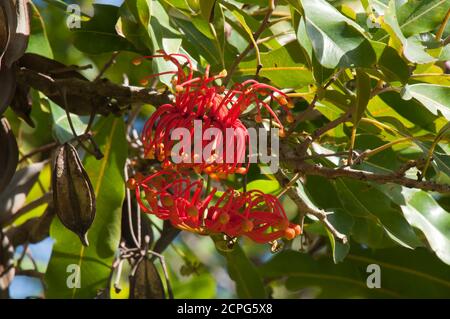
[146,282]
[9,154]
[73,195]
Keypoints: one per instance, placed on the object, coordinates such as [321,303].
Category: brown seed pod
[73,195]
[9,154]
[146,282]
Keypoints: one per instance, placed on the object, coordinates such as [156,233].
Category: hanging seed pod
[73,195]
[146,282]
[9,154]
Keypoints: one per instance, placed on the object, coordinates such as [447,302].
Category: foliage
[365,166]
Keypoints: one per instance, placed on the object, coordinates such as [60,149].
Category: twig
[40,149]
[301,117]
[441,30]
[107,65]
[251,45]
[137,241]
[305,209]
[322,130]
[331,173]
[94,91]
[46,198]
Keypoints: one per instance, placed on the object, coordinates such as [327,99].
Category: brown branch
[331,173]
[302,116]
[96,92]
[305,209]
[30,273]
[322,130]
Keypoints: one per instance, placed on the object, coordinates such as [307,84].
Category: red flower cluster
[172,196]
[198,98]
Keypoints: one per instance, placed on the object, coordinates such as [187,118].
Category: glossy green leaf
[38,42]
[418,16]
[392,65]
[278,64]
[336,40]
[434,97]
[98,35]
[413,50]
[349,279]
[363,90]
[422,211]
[61,126]
[93,263]
[361,200]
[249,284]
[206,8]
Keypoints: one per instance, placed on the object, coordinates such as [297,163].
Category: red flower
[172,196]
[200,98]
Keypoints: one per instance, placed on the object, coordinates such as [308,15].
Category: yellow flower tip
[289,233]
[298,230]
[290,105]
[192,211]
[223,73]
[167,200]
[247,226]
[224,218]
[290,118]
[131,184]
[137,61]
[282,100]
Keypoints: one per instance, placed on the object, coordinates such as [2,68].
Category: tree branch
[304,208]
[331,173]
[96,92]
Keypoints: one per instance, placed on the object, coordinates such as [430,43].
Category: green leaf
[411,110]
[206,8]
[134,20]
[204,46]
[277,64]
[423,212]
[336,40]
[434,97]
[418,16]
[313,191]
[198,287]
[249,284]
[361,200]
[95,261]
[363,90]
[163,37]
[38,42]
[399,269]
[98,35]
[413,50]
[269,186]
[392,65]
[61,126]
